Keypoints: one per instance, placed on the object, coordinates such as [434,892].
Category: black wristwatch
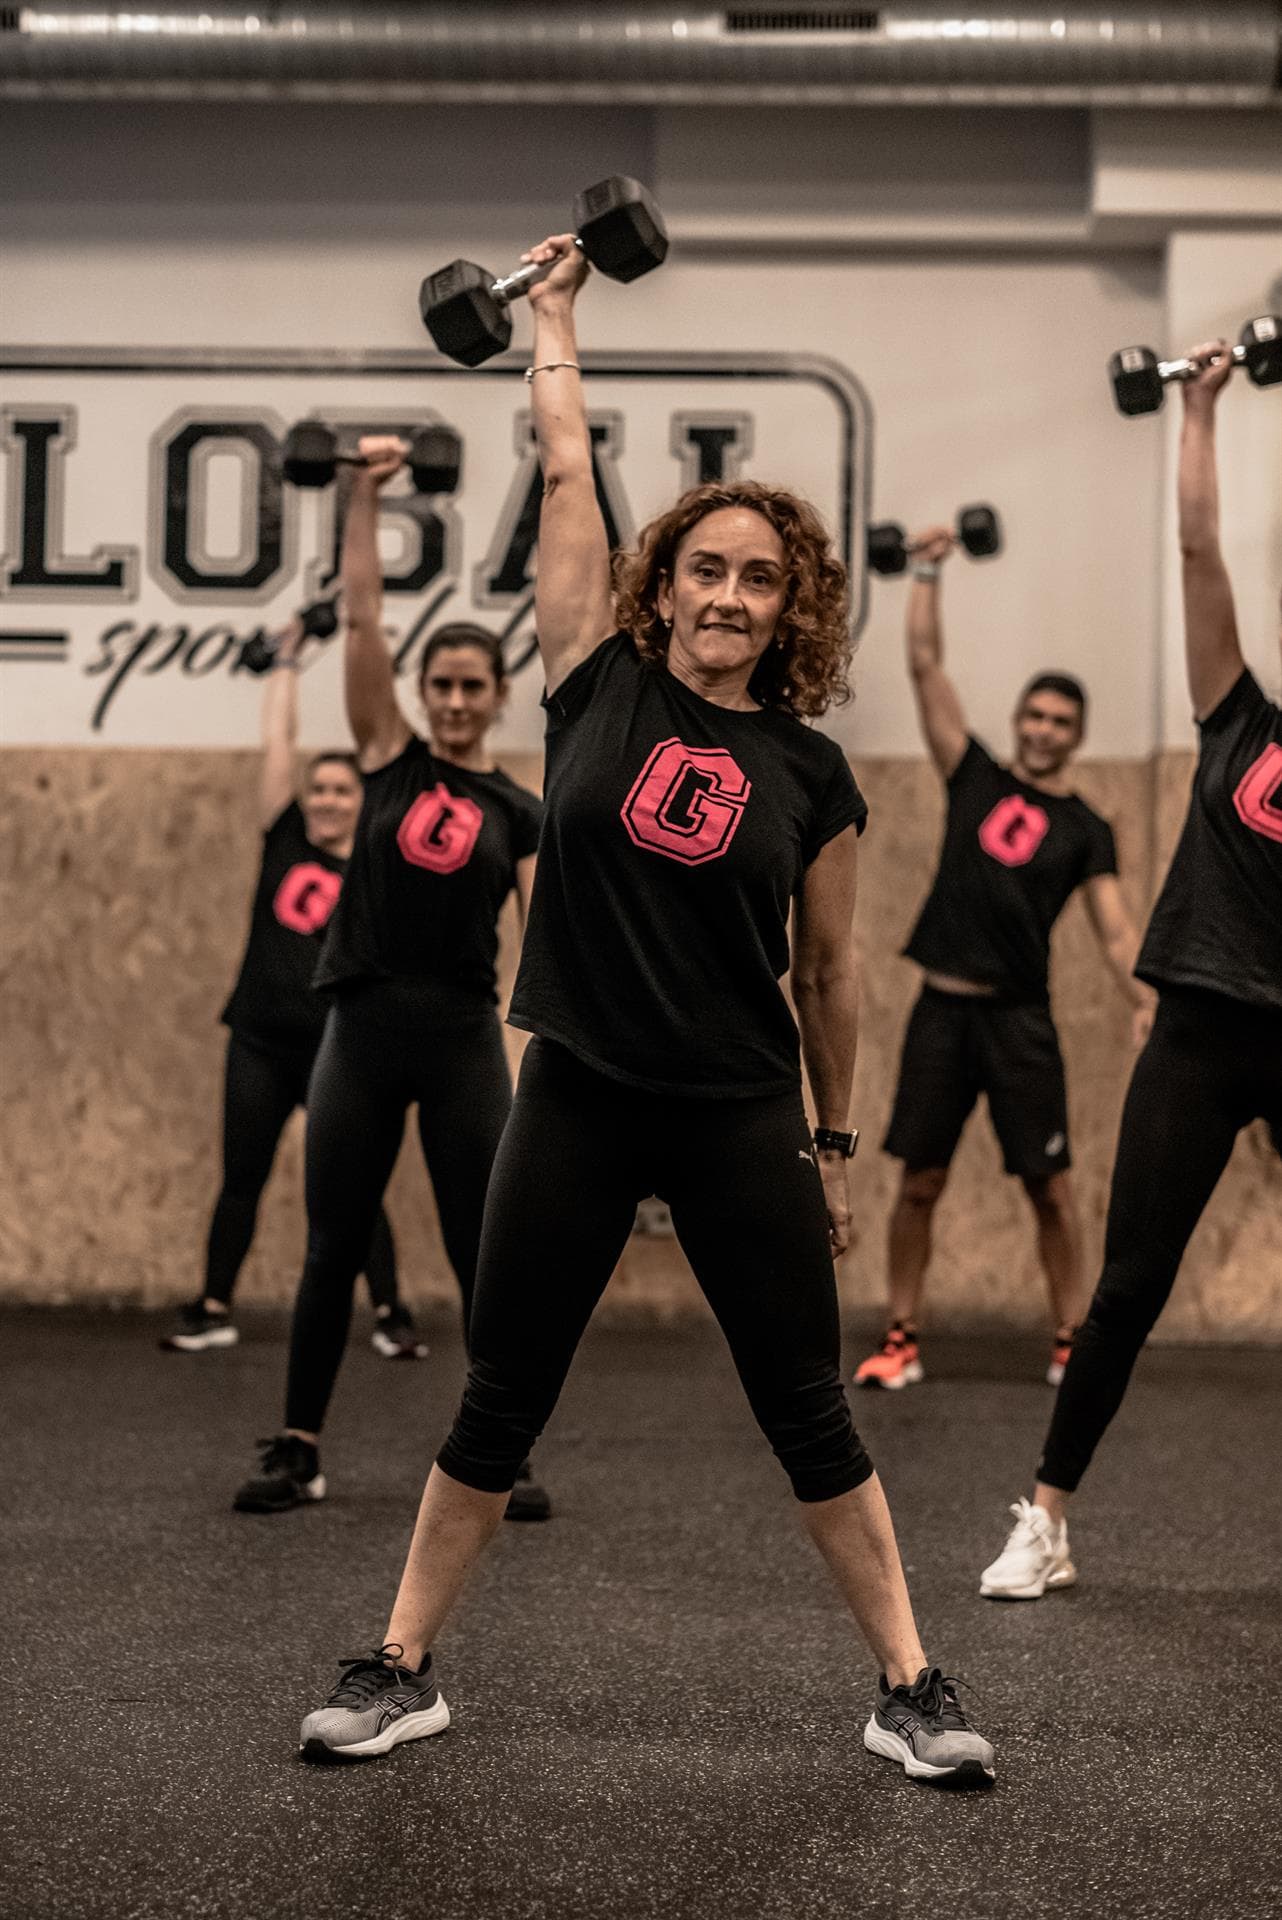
[828,1140]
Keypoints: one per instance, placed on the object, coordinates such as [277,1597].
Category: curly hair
[806,669]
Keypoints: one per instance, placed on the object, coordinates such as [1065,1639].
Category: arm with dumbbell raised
[379,728]
[573,603]
[280,725]
[939,707]
[1213,651]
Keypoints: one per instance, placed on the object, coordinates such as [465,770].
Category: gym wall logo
[149,535]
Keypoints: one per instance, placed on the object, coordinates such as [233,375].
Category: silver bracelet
[550,366]
[925,570]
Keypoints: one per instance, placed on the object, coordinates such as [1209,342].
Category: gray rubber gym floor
[657,1700]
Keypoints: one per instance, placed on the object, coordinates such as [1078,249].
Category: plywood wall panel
[125,879]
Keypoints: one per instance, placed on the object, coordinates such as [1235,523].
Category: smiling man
[1018,842]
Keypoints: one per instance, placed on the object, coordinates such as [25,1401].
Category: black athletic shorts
[959,1045]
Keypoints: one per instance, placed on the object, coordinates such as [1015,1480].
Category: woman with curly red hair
[688,813]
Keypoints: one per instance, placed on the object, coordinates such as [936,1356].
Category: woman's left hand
[834,1171]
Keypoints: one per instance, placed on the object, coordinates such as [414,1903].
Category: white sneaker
[1034,1558]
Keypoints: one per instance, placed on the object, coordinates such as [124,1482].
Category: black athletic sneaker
[378,1703]
[395,1338]
[197,1328]
[290,1477]
[924,1728]
[527,1500]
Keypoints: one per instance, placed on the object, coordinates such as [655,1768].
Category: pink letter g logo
[687,802]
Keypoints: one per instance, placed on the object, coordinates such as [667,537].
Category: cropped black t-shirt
[298,886]
[1218,918]
[676,834]
[1011,857]
[435,857]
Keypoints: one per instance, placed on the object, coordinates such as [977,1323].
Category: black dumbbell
[978,530]
[1139,378]
[465,309]
[319,622]
[311,457]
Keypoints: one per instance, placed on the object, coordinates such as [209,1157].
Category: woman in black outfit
[276,1018]
[688,810]
[409,960]
[1214,1063]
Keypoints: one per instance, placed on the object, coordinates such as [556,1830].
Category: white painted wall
[982,348]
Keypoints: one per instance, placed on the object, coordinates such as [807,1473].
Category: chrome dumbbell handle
[1189,369]
[513,285]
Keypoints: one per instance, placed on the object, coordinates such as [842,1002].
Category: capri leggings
[368,1072]
[263,1086]
[1211,1066]
[747,1204]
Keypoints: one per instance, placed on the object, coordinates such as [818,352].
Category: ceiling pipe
[1176,54]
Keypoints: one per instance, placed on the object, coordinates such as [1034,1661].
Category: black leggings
[263,1086]
[368,1072]
[1212,1065]
[741,1180]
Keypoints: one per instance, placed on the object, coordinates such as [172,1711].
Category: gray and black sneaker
[197,1329]
[378,1703]
[290,1476]
[528,1499]
[924,1728]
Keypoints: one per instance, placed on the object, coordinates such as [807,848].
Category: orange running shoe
[1060,1350]
[896,1362]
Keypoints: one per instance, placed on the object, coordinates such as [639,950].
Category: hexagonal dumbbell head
[979,531]
[1137,380]
[619,228]
[257,655]
[435,458]
[887,547]
[311,454]
[462,315]
[1260,344]
[320,620]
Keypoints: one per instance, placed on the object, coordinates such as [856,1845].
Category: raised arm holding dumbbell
[573,603]
[689,808]
[1017,844]
[1213,651]
[1213,950]
[380,729]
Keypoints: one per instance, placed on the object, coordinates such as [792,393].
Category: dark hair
[343,759]
[465,633]
[1061,683]
[805,671]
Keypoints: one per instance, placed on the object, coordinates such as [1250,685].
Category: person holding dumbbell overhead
[1017,843]
[274,1016]
[689,809]
[409,961]
[1213,950]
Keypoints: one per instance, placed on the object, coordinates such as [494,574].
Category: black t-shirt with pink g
[1218,919]
[435,857]
[1011,857]
[676,837]
[298,886]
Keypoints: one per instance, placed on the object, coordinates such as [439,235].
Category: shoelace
[365,1674]
[1029,1527]
[936,1698]
[276,1452]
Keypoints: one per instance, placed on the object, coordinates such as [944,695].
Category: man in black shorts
[1017,843]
